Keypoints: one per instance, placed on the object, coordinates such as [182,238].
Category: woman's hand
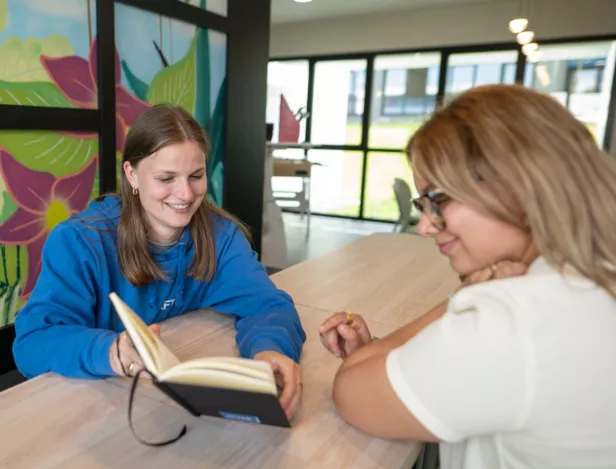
[123,356]
[288,376]
[343,333]
[500,270]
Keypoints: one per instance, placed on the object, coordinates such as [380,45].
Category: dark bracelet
[118,354]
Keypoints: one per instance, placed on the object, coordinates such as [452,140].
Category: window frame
[445,52]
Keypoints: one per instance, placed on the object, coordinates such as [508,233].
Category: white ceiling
[287,11]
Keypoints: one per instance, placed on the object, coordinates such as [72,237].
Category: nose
[426,228]
[184,190]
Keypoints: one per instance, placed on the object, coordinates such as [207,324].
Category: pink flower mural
[43,201]
[77,79]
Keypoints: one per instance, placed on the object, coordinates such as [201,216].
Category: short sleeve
[471,372]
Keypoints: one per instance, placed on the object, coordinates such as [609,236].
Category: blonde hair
[521,157]
[156,128]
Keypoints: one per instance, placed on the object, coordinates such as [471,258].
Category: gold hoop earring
[135,191]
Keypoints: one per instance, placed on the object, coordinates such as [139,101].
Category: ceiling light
[303,1]
[534,56]
[529,48]
[525,37]
[517,25]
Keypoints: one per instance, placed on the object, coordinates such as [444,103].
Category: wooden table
[386,277]
[54,422]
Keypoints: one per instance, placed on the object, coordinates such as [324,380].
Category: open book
[228,387]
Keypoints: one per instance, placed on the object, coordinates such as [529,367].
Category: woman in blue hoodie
[164,249]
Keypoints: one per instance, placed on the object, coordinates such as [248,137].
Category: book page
[155,354]
[219,379]
[253,369]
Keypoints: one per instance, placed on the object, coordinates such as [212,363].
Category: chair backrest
[403,197]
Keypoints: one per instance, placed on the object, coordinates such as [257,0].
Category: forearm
[72,351]
[280,332]
[396,338]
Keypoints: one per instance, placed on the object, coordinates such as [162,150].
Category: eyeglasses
[429,203]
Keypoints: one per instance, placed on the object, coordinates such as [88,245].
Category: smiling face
[171,184]
[471,239]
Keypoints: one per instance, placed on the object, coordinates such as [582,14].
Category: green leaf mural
[32,94]
[9,274]
[20,60]
[216,134]
[4,14]
[138,86]
[12,259]
[7,206]
[203,106]
[43,150]
[176,84]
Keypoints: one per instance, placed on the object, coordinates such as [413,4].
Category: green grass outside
[383,168]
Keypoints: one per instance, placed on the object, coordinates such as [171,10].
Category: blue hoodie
[68,324]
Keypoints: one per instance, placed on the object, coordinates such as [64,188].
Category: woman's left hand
[288,376]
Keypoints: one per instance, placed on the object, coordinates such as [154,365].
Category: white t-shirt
[519,373]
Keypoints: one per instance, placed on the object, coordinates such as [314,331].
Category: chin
[460,266]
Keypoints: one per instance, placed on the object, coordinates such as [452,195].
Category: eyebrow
[167,171]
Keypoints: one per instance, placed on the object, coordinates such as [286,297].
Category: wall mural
[48,57]
[164,60]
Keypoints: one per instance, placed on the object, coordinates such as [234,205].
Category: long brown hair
[157,128]
[521,157]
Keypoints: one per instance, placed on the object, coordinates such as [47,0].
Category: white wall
[471,24]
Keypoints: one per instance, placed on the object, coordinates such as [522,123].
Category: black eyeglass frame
[429,203]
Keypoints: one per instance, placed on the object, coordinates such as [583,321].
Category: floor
[326,234]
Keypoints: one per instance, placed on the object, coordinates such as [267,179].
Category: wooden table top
[388,277]
[55,422]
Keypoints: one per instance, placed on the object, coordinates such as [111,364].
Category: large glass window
[383,169]
[404,94]
[403,97]
[338,104]
[288,81]
[466,71]
[580,76]
[357,93]
[335,185]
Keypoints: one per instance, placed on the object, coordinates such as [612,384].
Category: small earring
[135,191]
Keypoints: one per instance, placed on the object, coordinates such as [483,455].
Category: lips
[447,246]
[179,206]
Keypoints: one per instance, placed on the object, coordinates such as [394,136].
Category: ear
[131,174]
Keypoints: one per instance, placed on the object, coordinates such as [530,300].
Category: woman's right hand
[344,333]
[123,355]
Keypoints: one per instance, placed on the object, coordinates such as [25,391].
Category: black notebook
[227,387]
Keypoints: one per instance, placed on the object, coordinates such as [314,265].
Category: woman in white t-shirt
[518,369]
